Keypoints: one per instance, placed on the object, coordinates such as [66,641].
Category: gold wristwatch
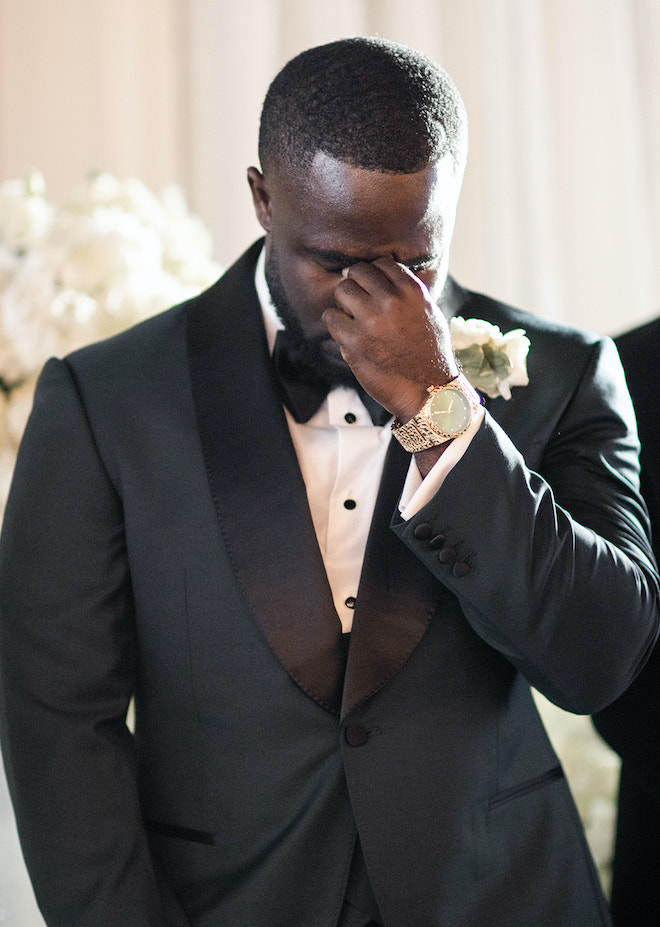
[447,413]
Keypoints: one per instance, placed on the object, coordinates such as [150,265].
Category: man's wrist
[428,458]
[448,411]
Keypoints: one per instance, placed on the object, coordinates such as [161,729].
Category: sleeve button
[422,531]
[461,568]
[447,555]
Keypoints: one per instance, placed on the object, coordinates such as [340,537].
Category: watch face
[449,411]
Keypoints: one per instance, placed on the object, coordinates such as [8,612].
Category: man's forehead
[330,182]
[341,193]
[335,173]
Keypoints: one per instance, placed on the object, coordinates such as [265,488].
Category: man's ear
[260,198]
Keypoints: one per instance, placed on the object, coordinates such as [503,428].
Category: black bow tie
[304,390]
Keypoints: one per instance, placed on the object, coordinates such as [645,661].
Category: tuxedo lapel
[261,506]
[396,598]
[256,484]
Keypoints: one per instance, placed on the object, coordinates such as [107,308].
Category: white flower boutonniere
[491,361]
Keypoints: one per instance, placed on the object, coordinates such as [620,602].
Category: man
[175,535]
[632,723]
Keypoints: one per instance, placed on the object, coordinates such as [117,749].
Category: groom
[281,519]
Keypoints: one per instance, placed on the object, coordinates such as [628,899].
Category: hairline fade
[366,101]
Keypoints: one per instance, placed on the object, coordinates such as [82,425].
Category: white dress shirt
[341,454]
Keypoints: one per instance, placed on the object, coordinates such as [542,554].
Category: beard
[309,353]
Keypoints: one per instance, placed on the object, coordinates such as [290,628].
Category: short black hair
[366,101]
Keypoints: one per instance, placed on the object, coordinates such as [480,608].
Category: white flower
[103,190]
[28,335]
[187,243]
[515,345]
[18,406]
[112,254]
[466,332]
[94,253]
[8,265]
[491,361]
[25,216]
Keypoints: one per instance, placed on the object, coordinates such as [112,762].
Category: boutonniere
[491,361]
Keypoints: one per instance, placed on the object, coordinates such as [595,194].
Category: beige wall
[561,205]
[91,84]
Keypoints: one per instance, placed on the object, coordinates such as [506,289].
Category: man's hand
[391,334]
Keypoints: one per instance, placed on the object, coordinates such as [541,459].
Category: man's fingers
[334,318]
[372,287]
[368,277]
[378,273]
[396,273]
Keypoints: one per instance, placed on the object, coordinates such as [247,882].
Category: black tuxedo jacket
[632,723]
[158,543]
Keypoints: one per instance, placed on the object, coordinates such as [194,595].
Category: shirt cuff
[417,492]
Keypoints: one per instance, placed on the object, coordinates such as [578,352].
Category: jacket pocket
[183,833]
[525,788]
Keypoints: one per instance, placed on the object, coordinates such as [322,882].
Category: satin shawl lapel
[257,487]
[396,598]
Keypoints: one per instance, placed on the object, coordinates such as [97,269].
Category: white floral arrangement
[112,254]
[491,361]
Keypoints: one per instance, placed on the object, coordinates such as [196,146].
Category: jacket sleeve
[67,662]
[557,571]
[631,725]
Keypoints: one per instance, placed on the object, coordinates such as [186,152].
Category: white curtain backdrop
[560,211]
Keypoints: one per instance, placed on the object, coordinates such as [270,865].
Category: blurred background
[560,211]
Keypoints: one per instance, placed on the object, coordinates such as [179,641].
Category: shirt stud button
[350,601]
[350,418]
[350,503]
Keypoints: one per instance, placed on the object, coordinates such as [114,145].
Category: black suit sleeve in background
[632,724]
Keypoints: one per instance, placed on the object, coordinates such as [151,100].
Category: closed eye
[335,267]
[421,268]
[332,268]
